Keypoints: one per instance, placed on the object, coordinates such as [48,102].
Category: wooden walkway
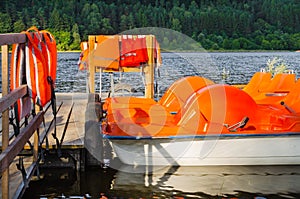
[18,159]
[74,131]
[74,134]
[70,135]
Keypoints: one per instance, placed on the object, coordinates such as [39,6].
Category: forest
[215,24]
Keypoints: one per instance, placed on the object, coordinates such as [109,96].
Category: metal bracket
[21,168]
[241,124]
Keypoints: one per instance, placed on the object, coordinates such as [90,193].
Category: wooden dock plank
[74,136]
[75,132]
[15,177]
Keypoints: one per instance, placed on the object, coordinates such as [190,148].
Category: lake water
[230,68]
[173,182]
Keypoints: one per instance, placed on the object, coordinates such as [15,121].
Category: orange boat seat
[259,80]
[172,100]
[176,96]
[282,82]
[291,100]
[217,104]
[279,86]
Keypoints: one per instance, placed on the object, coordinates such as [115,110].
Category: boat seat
[220,105]
[177,94]
[258,81]
[292,99]
[279,86]
[212,110]
[282,82]
[172,100]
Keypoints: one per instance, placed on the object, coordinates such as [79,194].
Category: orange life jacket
[34,64]
[18,77]
[49,50]
[38,70]
[133,50]
[107,53]
[124,51]
[83,58]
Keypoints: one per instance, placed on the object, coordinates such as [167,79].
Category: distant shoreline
[209,51]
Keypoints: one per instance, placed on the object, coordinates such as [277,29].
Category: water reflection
[215,181]
[171,182]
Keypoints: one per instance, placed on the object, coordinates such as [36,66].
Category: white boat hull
[261,150]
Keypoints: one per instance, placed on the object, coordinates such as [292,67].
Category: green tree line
[215,24]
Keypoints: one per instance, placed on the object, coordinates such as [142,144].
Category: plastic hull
[202,151]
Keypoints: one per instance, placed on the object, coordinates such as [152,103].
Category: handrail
[7,100]
[12,38]
[8,155]
[11,150]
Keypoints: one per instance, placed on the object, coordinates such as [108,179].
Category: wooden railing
[11,150]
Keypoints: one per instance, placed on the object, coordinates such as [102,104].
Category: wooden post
[36,140]
[149,69]
[5,120]
[91,66]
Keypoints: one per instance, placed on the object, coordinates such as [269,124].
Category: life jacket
[157,55]
[83,58]
[114,51]
[18,77]
[34,64]
[49,50]
[133,51]
[107,54]
[37,70]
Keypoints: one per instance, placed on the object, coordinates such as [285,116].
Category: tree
[55,20]
[76,38]
[253,24]
[41,18]
[236,44]
[62,40]
[94,20]
[106,27]
[123,23]
[19,26]
[176,25]
[227,44]
[5,23]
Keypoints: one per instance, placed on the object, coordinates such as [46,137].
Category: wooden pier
[72,135]
[63,135]
[70,132]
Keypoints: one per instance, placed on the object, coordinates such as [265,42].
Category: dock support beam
[149,69]
[91,68]
[5,120]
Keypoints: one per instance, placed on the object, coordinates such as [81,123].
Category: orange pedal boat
[198,122]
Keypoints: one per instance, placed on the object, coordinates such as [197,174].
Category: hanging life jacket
[133,51]
[34,63]
[83,58]
[17,78]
